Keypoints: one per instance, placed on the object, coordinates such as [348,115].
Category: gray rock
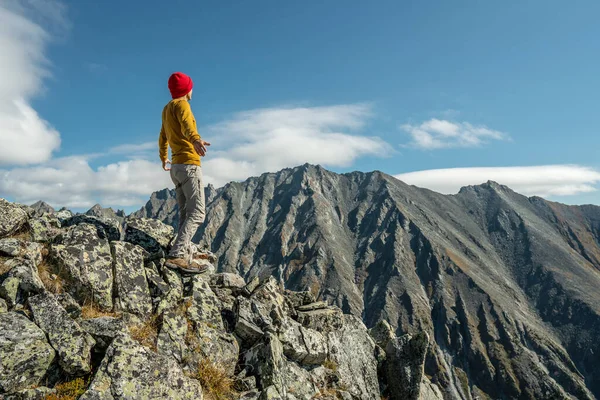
[130,278]
[298,299]
[227,280]
[291,338]
[218,347]
[171,338]
[404,365]
[430,391]
[130,371]
[106,228]
[251,286]
[20,281]
[41,208]
[205,304]
[267,362]
[353,351]
[103,329]
[45,228]
[12,218]
[151,234]
[158,286]
[3,306]
[319,305]
[25,355]
[71,342]
[87,261]
[174,293]
[323,320]
[69,304]
[20,248]
[248,332]
[63,214]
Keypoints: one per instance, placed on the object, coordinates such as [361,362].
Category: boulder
[106,228]
[303,345]
[45,228]
[158,286]
[404,365]
[298,299]
[205,304]
[323,320]
[12,218]
[151,234]
[63,214]
[20,281]
[3,306]
[227,280]
[25,354]
[175,292]
[13,247]
[353,351]
[72,343]
[171,338]
[103,330]
[130,278]
[130,371]
[87,261]
[218,347]
[69,304]
[267,361]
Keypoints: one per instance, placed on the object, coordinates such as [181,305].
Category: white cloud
[248,144]
[26,138]
[439,134]
[71,182]
[270,139]
[544,180]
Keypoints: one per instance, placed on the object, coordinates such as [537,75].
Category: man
[179,131]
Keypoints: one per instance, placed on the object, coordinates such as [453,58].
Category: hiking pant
[190,198]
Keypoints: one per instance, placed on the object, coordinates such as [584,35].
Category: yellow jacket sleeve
[163,145]
[187,121]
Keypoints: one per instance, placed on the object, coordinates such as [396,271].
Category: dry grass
[217,385]
[54,283]
[22,234]
[91,310]
[70,390]
[146,333]
[3,267]
[331,365]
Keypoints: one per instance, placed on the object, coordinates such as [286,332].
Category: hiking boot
[184,266]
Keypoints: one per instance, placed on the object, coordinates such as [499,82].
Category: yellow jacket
[178,131]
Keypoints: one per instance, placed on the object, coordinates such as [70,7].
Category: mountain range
[508,287]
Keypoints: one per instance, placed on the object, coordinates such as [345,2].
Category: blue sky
[397,86]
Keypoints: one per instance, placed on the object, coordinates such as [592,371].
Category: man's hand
[167,165]
[200,147]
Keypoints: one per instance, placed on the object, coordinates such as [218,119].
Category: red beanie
[180,84]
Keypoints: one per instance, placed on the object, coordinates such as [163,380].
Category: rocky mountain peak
[490,275]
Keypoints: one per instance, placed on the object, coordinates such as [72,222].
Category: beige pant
[190,198]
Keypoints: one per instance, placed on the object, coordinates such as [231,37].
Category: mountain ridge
[491,275]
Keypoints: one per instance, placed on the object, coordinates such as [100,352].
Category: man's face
[189,95]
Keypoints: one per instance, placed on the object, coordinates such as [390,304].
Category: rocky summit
[89,311]
[496,294]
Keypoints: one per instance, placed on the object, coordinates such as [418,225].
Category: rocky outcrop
[25,355]
[134,329]
[12,218]
[504,286]
[131,371]
[72,343]
[86,259]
